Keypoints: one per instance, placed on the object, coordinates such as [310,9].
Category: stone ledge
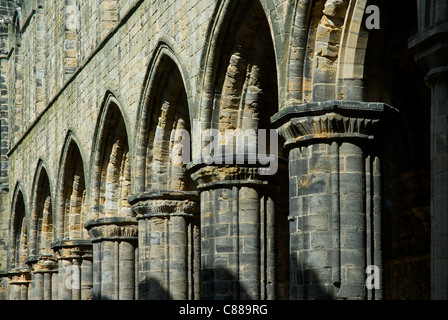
[342,107]
[431,34]
[66,243]
[45,265]
[118,221]
[163,195]
[431,48]
[19,275]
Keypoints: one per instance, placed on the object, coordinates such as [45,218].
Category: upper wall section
[70,55]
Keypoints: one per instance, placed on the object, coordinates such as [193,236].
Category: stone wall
[75,72]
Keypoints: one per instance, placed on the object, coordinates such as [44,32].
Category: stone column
[431,49]
[169,245]
[18,285]
[114,257]
[335,197]
[74,279]
[239,241]
[42,269]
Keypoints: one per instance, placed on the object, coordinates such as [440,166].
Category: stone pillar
[114,257]
[238,232]
[335,197]
[19,283]
[42,269]
[74,279]
[431,49]
[169,245]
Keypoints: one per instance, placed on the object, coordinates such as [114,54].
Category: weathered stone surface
[105,96]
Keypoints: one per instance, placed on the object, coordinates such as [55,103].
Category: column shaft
[114,242]
[37,284]
[47,286]
[439,178]
[126,265]
[239,233]
[86,279]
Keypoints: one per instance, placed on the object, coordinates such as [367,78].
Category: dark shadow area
[151,289]
[393,77]
[308,286]
[219,284]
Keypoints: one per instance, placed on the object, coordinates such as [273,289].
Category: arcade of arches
[95,204]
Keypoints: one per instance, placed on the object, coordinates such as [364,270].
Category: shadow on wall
[220,284]
[217,284]
[151,289]
[310,287]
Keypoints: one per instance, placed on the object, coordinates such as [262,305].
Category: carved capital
[208,176]
[72,248]
[431,50]
[165,203]
[332,120]
[45,264]
[19,276]
[112,229]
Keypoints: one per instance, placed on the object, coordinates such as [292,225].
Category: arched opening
[168,125]
[73,246]
[168,205]
[245,87]
[42,260]
[112,172]
[19,271]
[19,233]
[72,198]
[239,96]
[111,223]
[42,215]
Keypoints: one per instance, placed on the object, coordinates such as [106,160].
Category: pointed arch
[239,83]
[71,194]
[164,120]
[350,73]
[223,17]
[18,251]
[297,39]
[41,222]
[111,163]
